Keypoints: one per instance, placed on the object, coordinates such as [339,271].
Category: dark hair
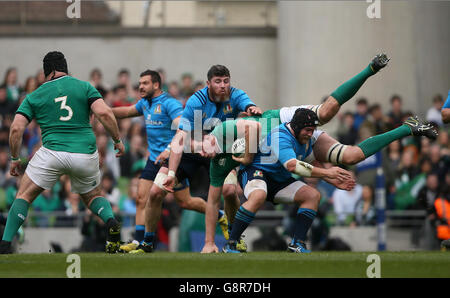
[303,118]
[123,71]
[54,61]
[218,71]
[362,100]
[120,86]
[437,98]
[396,97]
[374,107]
[155,77]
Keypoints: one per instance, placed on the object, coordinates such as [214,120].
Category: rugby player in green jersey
[62,107]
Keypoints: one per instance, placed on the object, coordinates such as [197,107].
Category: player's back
[61,107]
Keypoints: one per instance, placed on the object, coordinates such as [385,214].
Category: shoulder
[198,99]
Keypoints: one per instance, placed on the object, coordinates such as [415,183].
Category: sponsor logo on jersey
[222,162]
[158,109]
[258,173]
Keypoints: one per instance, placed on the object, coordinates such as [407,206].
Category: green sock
[376,143]
[16,217]
[102,208]
[347,90]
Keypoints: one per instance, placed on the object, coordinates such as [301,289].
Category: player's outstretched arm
[106,116]
[347,184]
[125,112]
[307,170]
[16,131]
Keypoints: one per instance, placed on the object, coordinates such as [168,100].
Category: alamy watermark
[74,269]
[73,11]
[374,9]
[374,269]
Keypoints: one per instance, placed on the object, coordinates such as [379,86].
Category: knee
[141,200]
[156,195]
[352,155]
[311,197]
[229,191]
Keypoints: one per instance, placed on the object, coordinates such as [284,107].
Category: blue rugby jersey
[158,121]
[277,148]
[447,102]
[210,112]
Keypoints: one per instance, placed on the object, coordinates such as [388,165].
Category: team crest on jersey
[227,109]
[158,109]
[258,173]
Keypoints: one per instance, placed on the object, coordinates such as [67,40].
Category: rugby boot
[127,247]
[113,237]
[230,247]
[144,247]
[380,61]
[418,128]
[298,247]
[5,247]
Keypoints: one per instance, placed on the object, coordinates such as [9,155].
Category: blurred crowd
[415,169]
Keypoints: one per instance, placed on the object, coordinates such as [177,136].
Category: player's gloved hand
[209,247]
[253,111]
[118,145]
[14,168]
[162,157]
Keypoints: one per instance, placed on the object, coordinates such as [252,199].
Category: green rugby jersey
[226,133]
[61,107]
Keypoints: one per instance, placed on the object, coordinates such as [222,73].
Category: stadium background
[280,52]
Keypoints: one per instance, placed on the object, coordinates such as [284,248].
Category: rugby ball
[238,147]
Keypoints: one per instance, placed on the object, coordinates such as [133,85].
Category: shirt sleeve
[174,108]
[447,102]
[26,109]
[187,118]
[92,93]
[240,100]
[140,106]
[283,147]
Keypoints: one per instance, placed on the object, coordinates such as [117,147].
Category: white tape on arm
[301,168]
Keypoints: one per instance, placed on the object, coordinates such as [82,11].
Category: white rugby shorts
[46,166]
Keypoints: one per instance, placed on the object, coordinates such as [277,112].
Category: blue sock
[139,235]
[149,237]
[242,220]
[302,223]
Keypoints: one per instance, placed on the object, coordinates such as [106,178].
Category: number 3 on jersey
[64,107]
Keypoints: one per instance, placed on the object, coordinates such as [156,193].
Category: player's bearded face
[146,89]
[305,134]
[219,88]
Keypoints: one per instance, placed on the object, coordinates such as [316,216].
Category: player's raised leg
[328,149]
[347,90]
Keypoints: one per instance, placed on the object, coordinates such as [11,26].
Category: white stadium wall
[251,60]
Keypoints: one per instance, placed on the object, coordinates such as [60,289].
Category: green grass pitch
[249,265]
